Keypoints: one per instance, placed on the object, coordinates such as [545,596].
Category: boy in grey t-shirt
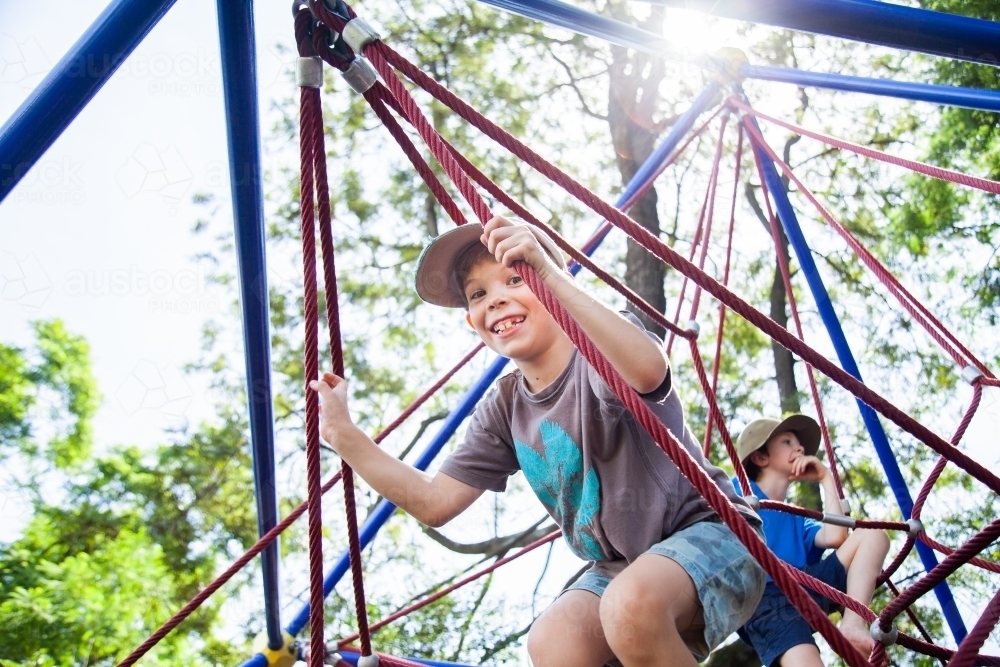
[669,580]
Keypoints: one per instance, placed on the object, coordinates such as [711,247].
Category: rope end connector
[284,656]
[728,65]
[916,526]
[753,501]
[694,329]
[358,34]
[845,506]
[839,520]
[368,661]
[361,75]
[309,72]
[884,637]
[971,374]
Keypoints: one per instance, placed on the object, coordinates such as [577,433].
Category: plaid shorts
[727,578]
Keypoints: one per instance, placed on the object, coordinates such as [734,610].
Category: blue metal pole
[877,434]
[653,163]
[578,20]
[892,25]
[239,78]
[971,98]
[385,509]
[75,79]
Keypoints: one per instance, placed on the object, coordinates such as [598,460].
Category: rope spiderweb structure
[360,54]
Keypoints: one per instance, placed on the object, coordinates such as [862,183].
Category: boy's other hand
[808,469]
[334,415]
[509,243]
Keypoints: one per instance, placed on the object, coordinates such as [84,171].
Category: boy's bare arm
[634,354]
[433,500]
[811,469]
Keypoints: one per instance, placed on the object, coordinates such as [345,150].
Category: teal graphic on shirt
[557,478]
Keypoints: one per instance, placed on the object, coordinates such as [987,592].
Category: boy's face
[506,315]
[782,451]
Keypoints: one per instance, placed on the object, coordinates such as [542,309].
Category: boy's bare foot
[855,631]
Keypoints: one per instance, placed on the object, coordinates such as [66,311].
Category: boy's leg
[569,633]
[862,555]
[648,610]
[803,655]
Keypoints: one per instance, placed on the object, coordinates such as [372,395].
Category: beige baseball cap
[435,280]
[759,431]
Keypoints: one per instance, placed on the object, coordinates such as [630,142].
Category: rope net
[316,27]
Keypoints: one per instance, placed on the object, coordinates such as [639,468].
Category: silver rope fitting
[368,661]
[839,520]
[970,374]
[361,75]
[694,327]
[753,501]
[309,72]
[332,658]
[845,506]
[358,34]
[916,526]
[883,637]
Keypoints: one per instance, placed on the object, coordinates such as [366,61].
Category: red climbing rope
[918,167]
[706,447]
[311,124]
[703,231]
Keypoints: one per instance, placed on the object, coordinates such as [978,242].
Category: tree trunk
[784,363]
[632,95]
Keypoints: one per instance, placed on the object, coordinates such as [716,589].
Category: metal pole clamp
[358,34]
[361,75]
[309,72]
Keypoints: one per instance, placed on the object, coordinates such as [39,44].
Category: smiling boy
[776,453]
[669,581]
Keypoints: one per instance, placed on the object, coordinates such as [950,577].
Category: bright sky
[99,232]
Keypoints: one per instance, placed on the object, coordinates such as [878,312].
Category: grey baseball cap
[435,280]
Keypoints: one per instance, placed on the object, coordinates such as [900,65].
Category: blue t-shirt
[789,536]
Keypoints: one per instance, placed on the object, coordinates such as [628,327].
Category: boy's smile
[513,322]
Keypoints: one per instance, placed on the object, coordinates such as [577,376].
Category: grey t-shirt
[603,479]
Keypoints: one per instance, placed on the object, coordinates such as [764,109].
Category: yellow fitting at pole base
[728,61]
[284,656]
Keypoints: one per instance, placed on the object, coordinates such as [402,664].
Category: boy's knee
[630,610]
[874,538]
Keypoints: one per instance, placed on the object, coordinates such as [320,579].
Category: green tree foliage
[967,140]
[115,543]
